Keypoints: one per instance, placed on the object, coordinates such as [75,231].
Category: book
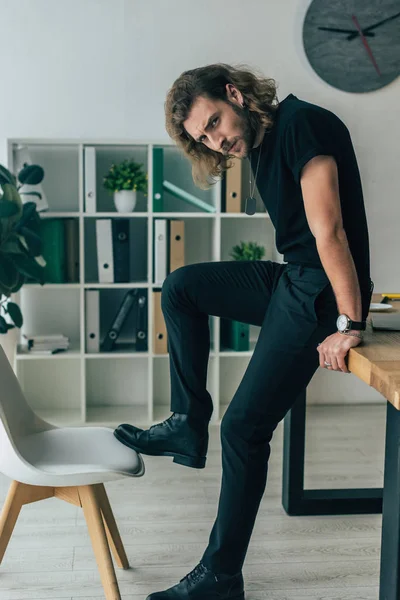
[118,321]
[72,250]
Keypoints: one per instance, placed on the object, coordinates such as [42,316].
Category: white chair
[70,463]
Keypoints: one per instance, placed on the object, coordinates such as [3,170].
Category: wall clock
[353,45]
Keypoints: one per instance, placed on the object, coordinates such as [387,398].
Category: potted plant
[20,247]
[234,334]
[125,180]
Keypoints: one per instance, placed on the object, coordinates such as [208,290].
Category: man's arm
[320,190]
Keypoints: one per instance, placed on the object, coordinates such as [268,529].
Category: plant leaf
[7,271]
[33,241]
[6,176]
[40,260]
[31,174]
[20,282]
[15,313]
[3,325]
[7,209]
[28,267]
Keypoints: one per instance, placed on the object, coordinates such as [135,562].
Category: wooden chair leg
[18,495]
[91,508]
[9,515]
[113,535]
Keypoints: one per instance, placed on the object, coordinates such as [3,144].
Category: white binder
[90,180]
[92,320]
[160,250]
[104,243]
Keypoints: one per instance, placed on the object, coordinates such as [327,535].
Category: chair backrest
[16,416]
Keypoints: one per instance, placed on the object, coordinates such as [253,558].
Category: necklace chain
[258,164]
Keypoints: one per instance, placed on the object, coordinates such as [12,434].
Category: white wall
[101,68]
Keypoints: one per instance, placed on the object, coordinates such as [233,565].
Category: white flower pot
[125,200]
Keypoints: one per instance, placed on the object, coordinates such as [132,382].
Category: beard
[249,125]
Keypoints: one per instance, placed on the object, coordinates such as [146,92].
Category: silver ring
[327,364]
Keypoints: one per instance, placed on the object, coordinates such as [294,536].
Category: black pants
[296,308]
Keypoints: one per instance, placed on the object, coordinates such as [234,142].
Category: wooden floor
[166,516]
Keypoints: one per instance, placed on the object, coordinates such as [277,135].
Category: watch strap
[358,325]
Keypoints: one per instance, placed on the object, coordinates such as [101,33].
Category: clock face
[353,45]
[341,322]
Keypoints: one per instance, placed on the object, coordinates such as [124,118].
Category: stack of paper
[47,343]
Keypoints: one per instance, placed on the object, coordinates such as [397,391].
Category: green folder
[235,335]
[53,249]
[158,176]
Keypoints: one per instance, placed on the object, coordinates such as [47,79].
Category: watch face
[341,322]
[353,45]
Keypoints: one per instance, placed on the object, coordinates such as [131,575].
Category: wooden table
[377,362]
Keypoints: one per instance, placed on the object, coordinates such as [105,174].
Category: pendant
[250,205]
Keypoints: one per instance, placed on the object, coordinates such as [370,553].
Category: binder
[72,250]
[141,323]
[176,244]
[92,321]
[183,195]
[90,179]
[161,254]
[53,249]
[121,246]
[123,311]
[232,188]
[160,335]
[158,177]
[105,258]
[235,335]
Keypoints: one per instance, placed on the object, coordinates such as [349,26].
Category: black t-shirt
[302,130]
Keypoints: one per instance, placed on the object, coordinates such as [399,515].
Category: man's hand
[334,349]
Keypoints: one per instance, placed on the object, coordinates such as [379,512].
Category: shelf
[61,417]
[224,351]
[184,215]
[124,352]
[54,286]
[59,215]
[243,215]
[111,416]
[98,392]
[99,215]
[213,354]
[131,284]
[160,413]
[71,353]
[191,215]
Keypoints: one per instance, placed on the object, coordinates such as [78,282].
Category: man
[306,172]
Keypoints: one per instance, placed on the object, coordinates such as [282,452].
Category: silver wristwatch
[345,324]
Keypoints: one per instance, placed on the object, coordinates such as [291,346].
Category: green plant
[247,251]
[127,175]
[20,241]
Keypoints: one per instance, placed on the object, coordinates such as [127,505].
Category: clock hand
[345,31]
[353,35]
[364,41]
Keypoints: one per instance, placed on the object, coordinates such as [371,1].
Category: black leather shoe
[181,436]
[203,584]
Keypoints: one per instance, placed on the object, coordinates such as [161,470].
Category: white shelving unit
[124,386]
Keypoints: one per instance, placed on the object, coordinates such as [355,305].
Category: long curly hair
[259,94]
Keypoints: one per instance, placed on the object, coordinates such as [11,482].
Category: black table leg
[298,501]
[390,547]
